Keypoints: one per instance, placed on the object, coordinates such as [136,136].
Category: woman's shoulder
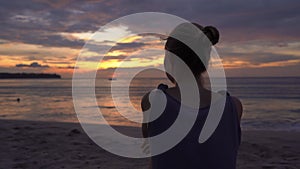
[145,103]
[238,104]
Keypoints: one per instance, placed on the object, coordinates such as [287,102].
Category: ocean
[270,103]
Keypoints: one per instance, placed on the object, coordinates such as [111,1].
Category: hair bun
[212,34]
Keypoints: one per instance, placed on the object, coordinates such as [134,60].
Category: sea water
[270,103]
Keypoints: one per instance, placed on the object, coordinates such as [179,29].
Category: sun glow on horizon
[128,54]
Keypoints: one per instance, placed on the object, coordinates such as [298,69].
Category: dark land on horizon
[29,76]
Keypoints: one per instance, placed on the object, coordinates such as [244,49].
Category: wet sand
[32,144]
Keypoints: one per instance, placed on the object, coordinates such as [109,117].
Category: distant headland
[29,76]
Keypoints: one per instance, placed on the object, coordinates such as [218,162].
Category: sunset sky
[258,37]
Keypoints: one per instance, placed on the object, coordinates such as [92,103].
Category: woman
[220,150]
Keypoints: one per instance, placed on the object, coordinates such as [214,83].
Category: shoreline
[41,144]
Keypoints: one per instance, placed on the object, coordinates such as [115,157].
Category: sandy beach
[33,144]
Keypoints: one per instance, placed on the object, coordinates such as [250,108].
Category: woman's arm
[145,104]
[239,106]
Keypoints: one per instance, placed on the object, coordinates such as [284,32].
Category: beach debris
[74,132]
[43,142]
[16,128]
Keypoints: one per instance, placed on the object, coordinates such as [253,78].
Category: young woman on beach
[220,150]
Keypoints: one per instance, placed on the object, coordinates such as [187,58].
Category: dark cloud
[38,22]
[119,57]
[268,58]
[68,67]
[33,65]
[128,47]
[259,57]
[292,70]
[41,22]
[103,58]
[124,47]
[96,47]
[41,38]
[57,62]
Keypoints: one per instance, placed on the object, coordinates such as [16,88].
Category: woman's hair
[191,59]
